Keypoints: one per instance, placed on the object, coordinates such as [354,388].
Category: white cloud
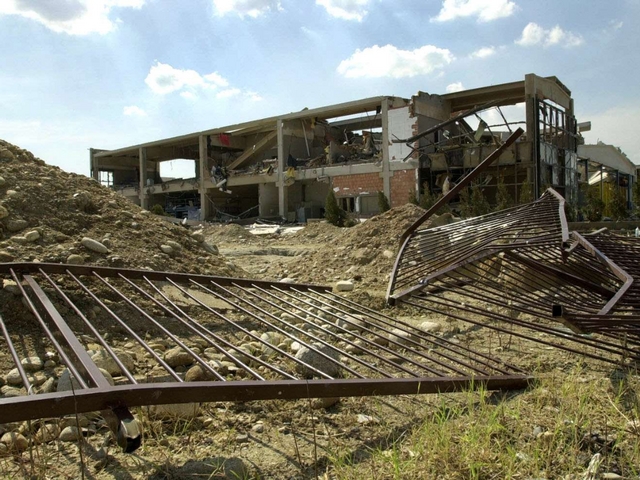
[164,79]
[253,96]
[483,10]
[345,9]
[229,92]
[75,17]
[389,61]
[134,111]
[483,52]
[242,8]
[455,87]
[534,34]
[616,25]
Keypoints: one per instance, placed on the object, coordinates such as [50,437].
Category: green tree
[428,199]
[594,206]
[526,193]
[479,203]
[332,211]
[413,197]
[617,207]
[504,199]
[636,197]
[157,209]
[383,202]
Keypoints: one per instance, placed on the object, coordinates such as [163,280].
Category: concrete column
[95,171]
[386,171]
[283,197]
[203,174]
[532,129]
[144,198]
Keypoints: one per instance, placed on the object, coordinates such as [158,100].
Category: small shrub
[526,193]
[383,202]
[157,209]
[428,199]
[332,211]
[504,199]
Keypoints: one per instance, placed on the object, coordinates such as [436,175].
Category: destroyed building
[284,166]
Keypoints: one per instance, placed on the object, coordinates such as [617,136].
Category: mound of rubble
[364,253]
[48,215]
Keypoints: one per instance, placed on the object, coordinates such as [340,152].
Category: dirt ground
[267,439]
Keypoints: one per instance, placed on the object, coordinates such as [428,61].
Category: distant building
[285,165]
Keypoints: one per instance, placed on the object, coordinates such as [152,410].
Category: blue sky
[76,74]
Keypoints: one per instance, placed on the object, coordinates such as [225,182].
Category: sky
[76,74]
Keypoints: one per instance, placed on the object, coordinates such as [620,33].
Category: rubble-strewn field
[580,422]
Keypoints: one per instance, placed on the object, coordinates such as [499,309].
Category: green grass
[491,435]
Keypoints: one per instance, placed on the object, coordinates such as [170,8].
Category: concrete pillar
[533,135]
[203,174]
[283,197]
[386,171]
[144,198]
[95,171]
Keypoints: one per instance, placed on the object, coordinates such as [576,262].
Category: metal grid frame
[522,266]
[369,353]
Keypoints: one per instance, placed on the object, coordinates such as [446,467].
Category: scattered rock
[344,286]
[2,182]
[4,213]
[17,225]
[328,402]
[70,434]
[93,245]
[32,364]
[287,280]
[32,236]
[15,442]
[258,428]
[166,249]
[104,361]
[75,259]
[242,438]
[47,433]
[400,336]
[318,361]
[431,327]
[174,245]
[197,373]
[11,286]
[198,236]
[5,257]
[366,419]
[177,357]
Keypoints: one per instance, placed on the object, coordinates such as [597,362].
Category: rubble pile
[364,253]
[48,215]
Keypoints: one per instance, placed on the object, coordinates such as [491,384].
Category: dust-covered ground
[334,438]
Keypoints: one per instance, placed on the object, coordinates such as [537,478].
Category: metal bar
[58,404]
[78,350]
[63,355]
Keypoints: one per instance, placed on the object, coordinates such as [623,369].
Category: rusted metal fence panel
[131,337]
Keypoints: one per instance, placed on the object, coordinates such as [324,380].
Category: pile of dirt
[364,253]
[48,215]
[227,233]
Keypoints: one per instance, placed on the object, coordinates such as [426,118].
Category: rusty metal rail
[133,337]
[523,267]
